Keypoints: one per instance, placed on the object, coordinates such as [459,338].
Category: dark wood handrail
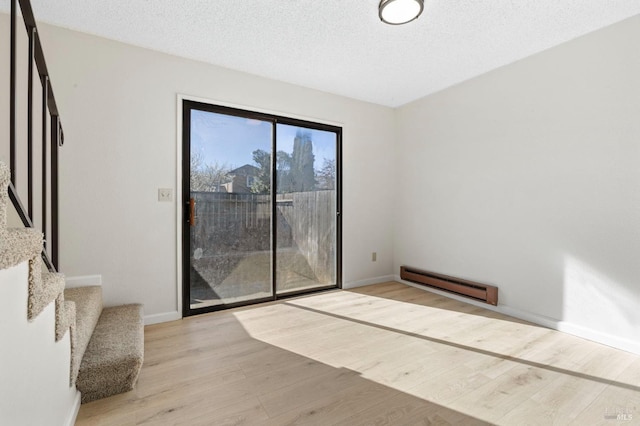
[51,132]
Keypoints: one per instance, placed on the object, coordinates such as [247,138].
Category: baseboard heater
[478,291]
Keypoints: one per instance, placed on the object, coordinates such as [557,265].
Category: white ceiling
[340,46]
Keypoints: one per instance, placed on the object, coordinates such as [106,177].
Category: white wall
[528,178]
[525,177]
[118,109]
[35,369]
[4,87]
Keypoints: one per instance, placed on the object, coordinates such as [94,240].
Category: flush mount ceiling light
[396,12]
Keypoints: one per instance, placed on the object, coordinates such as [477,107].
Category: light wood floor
[383,354]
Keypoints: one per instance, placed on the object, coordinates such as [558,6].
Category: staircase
[109,344]
[106,343]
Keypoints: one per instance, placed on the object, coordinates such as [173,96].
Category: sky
[229,140]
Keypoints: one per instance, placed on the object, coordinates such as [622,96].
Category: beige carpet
[113,359]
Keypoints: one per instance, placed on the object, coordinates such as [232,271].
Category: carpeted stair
[113,358]
[107,344]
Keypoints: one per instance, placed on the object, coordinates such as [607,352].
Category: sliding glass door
[261,207]
[306,208]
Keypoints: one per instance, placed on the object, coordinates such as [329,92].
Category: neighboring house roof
[246,170]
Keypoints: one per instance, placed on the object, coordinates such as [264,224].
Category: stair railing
[41,114]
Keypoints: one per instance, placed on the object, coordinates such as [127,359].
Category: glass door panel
[306,206]
[261,197]
[230,209]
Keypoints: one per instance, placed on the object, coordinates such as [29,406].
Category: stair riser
[114,357]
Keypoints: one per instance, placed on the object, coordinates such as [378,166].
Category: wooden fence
[311,217]
[230,222]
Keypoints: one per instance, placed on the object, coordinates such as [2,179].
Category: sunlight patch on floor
[409,351]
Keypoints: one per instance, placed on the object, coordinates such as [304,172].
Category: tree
[295,170]
[326,176]
[283,166]
[262,182]
[302,158]
[208,177]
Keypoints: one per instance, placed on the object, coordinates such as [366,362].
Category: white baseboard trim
[83,281]
[600,337]
[73,412]
[368,281]
[163,317]
[552,323]
[574,329]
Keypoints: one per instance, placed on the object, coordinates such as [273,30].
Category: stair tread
[114,356]
[44,290]
[117,335]
[18,245]
[65,317]
[88,301]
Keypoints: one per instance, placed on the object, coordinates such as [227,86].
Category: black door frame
[187,107]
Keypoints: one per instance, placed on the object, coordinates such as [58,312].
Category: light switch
[165,194]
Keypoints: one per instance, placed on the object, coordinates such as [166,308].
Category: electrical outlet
[374,256]
[165,194]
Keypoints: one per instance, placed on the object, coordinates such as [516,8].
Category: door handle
[192,212]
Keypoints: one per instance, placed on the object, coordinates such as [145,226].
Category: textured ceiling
[340,46]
